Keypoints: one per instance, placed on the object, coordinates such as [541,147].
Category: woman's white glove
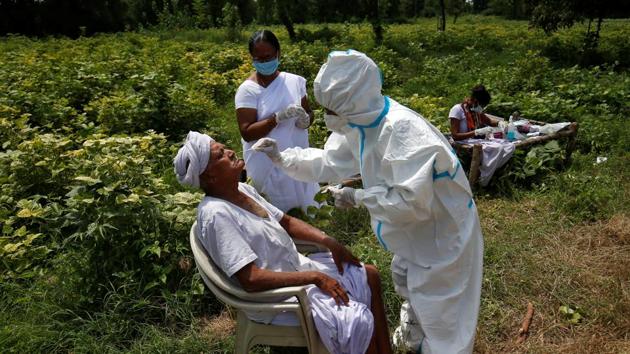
[270,147]
[483,131]
[303,120]
[344,197]
[293,111]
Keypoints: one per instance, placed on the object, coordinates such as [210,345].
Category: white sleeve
[332,164]
[245,97]
[222,238]
[413,153]
[301,86]
[457,112]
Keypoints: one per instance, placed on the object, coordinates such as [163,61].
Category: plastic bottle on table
[511,129]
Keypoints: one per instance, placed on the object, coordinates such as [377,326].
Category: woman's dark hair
[263,36]
[480,94]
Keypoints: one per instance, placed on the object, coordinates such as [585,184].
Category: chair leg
[241,345]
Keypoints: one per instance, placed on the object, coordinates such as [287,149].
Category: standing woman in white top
[274,104]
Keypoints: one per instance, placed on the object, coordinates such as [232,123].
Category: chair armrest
[272,300]
[304,246]
[272,295]
[229,292]
[301,307]
[273,307]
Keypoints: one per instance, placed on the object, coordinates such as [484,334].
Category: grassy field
[93,251]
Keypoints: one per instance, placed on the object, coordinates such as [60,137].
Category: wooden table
[475,150]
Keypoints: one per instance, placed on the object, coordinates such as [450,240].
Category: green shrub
[124,218]
[528,168]
[222,59]
[602,133]
[231,21]
[296,61]
[389,62]
[591,190]
[569,47]
[560,51]
[94,228]
[583,196]
[170,109]
[317,132]
[102,201]
[13,127]
[434,109]
[324,34]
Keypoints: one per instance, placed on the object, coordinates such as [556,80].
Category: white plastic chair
[248,332]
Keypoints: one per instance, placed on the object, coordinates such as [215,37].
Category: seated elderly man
[250,240]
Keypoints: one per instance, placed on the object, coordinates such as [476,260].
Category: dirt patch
[614,231]
[555,264]
[221,326]
[604,246]
[618,229]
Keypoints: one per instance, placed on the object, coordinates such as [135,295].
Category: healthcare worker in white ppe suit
[418,197]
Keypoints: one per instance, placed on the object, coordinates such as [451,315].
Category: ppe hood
[349,84]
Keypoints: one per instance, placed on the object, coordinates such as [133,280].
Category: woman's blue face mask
[268,67]
[476,108]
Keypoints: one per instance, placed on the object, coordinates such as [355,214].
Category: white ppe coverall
[418,197]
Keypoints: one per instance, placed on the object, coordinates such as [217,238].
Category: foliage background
[93,251]
[79,17]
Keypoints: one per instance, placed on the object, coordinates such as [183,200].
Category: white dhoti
[342,329]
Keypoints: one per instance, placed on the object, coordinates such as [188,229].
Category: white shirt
[249,94]
[282,191]
[234,237]
[457,112]
[284,90]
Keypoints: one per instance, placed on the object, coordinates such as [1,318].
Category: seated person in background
[250,240]
[467,118]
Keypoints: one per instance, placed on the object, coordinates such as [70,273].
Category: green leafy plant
[94,226]
[585,196]
[232,21]
[571,313]
[318,216]
[528,167]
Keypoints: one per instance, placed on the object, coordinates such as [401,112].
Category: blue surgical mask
[476,109]
[268,67]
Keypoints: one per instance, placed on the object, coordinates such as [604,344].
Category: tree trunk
[442,23]
[375,21]
[515,9]
[286,20]
[595,37]
[591,39]
[599,25]
[378,32]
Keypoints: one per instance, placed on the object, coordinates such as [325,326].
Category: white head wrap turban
[192,158]
[349,84]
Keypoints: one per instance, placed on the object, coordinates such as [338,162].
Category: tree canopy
[85,17]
